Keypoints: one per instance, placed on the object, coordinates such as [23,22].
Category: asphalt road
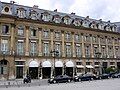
[108,84]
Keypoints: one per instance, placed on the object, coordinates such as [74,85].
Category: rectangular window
[78,51]
[87,51]
[87,63]
[77,37]
[33,48]
[45,34]
[103,51]
[58,48]
[68,36]
[46,49]
[78,63]
[68,50]
[4,45]
[20,48]
[33,32]
[57,35]
[20,30]
[5,29]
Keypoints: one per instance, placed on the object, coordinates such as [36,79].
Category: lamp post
[55,53]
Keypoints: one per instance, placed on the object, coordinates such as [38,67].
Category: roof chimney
[73,13]
[12,2]
[55,10]
[87,17]
[35,6]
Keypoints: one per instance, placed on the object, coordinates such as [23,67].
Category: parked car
[104,76]
[60,78]
[85,77]
[117,75]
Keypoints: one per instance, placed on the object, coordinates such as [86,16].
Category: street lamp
[55,53]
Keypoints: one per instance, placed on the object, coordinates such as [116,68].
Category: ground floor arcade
[49,68]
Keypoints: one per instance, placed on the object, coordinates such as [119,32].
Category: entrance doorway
[19,72]
[69,71]
[33,71]
[58,71]
[46,72]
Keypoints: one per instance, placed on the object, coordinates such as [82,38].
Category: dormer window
[33,15]
[67,20]
[46,16]
[57,19]
[93,25]
[86,23]
[107,27]
[76,22]
[21,13]
[100,25]
[113,28]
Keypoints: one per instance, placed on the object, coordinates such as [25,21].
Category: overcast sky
[96,9]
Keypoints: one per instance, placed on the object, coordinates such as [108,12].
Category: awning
[89,66]
[80,66]
[97,65]
[69,64]
[46,64]
[58,64]
[33,64]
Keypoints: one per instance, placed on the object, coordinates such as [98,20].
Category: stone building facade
[46,43]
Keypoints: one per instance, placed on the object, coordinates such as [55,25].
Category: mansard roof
[54,13]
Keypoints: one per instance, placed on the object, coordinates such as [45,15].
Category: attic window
[6,9]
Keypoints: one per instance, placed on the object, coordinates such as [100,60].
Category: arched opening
[4,69]
[58,68]
[33,69]
[46,69]
[69,68]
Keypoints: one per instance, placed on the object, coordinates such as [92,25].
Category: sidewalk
[19,83]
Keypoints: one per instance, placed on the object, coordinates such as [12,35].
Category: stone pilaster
[51,39]
[83,46]
[91,46]
[114,47]
[73,45]
[12,39]
[27,41]
[40,42]
[63,44]
[107,48]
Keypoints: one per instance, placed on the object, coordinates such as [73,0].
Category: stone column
[63,44]
[40,42]
[27,41]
